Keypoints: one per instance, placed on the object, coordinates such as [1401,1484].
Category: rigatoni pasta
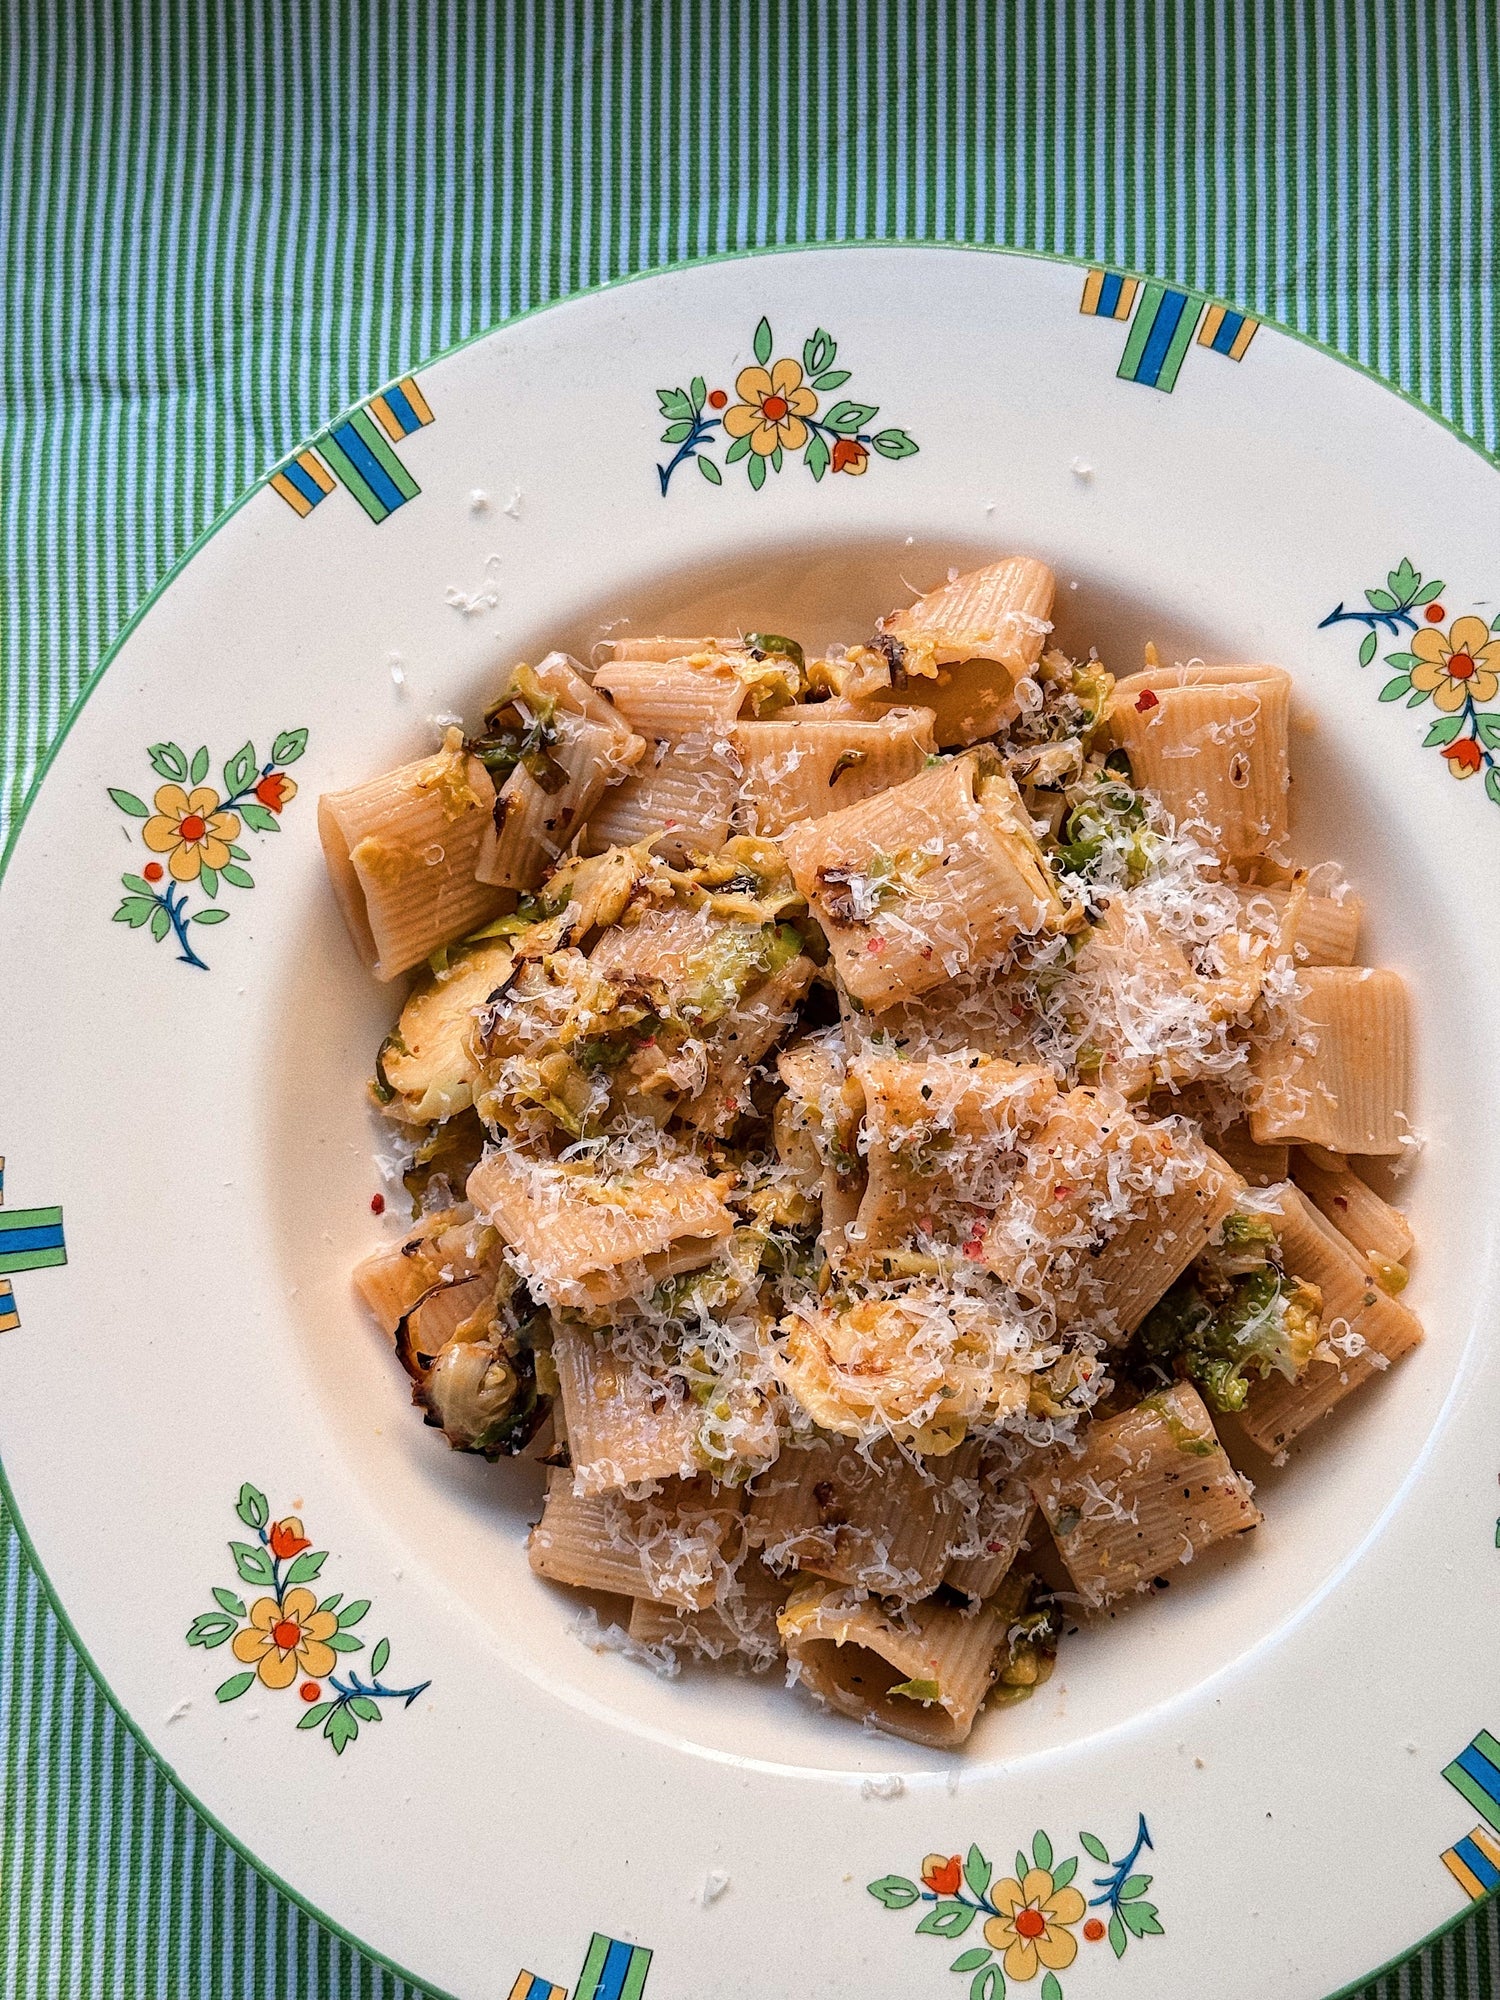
[883,1130]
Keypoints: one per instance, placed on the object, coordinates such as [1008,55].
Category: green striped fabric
[220,224]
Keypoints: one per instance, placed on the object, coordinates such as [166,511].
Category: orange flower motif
[1465,759]
[942,1874]
[275,790]
[850,456]
[1032,1927]
[190,829]
[771,408]
[1457,665]
[287,1638]
[287,1538]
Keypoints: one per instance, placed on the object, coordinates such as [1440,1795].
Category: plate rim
[675,267]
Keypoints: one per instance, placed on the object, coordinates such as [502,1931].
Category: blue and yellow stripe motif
[356,453]
[1107,295]
[1226,331]
[529,1986]
[1474,1862]
[10,1319]
[612,1970]
[31,1239]
[302,482]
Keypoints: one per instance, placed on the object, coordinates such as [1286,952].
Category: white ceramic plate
[1283,1724]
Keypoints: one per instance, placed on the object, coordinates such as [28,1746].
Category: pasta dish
[893,1133]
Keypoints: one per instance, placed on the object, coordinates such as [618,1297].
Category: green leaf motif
[354,1611]
[1041,1848]
[315,1715]
[1063,1874]
[168,762]
[236,877]
[1023,1866]
[756,470]
[332,1602]
[210,917]
[161,923]
[1416,699]
[831,378]
[1380,600]
[675,433]
[240,769]
[967,1960]
[894,444]
[1442,731]
[763,342]
[1406,660]
[227,1600]
[129,803]
[1367,649]
[239,853]
[1117,1938]
[210,1628]
[697,390]
[1394,689]
[816,456]
[776,459]
[1140,1918]
[1429,591]
[198,769]
[1403,579]
[1092,1844]
[340,1728]
[379,1657]
[208,880]
[988,1985]
[1051,1990]
[894,1891]
[846,418]
[253,1565]
[257,816]
[289,746]
[345,1642]
[675,403]
[234,1687]
[977,1871]
[817,354]
[1492,785]
[1489,731]
[364,1708]
[307,1565]
[738,450]
[141,888]
[252,1507]
[1131,1887]
[709,470]
[135,911]
[948,1920]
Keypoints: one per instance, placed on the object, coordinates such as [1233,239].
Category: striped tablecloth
[222,222]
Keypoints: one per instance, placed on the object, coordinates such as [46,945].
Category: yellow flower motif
[1032,1927]
[284,1639]
[190,828]
[1455,664]
[771,408]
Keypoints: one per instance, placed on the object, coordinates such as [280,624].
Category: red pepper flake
[875,944]
[377,1204]
[974,1248]
[1062,1190]
[927,951]
[1145,701]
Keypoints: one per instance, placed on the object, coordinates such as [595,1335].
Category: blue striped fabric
[223,224]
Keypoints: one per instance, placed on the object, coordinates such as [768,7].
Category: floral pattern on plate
[192,835]
[1455,666]
[289,1636]
[778,412]
[1030,1921]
